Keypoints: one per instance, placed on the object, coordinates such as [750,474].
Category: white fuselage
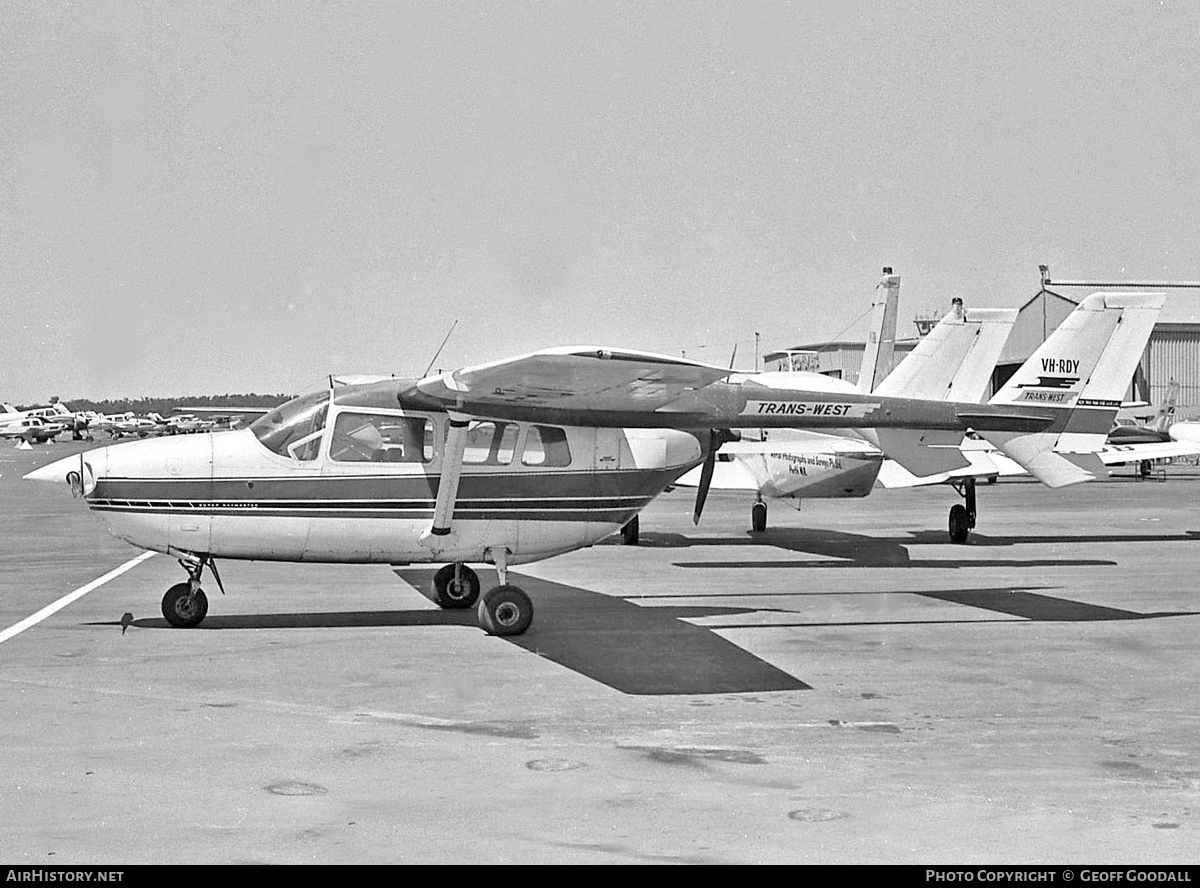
[228,496]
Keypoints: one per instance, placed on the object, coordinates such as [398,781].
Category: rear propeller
[716,437]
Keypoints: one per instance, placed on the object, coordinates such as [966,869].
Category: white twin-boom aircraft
[526,458]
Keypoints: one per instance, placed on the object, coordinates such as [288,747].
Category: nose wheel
[185,605]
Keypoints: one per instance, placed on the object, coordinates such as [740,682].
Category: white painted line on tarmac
[55,607]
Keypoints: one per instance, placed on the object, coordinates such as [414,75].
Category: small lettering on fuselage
[806,408]
[800,463]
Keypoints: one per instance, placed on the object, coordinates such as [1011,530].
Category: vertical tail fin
[954,362]
[1166,411]
[1080,375]
[880,352]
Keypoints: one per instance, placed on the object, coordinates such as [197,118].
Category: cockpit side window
[380,437]
[294,429]
[490,443]
[546,446]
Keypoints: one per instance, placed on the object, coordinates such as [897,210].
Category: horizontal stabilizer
[1035,453]
[921,451]
[991,464]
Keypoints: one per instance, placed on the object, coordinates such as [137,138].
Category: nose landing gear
[185,605]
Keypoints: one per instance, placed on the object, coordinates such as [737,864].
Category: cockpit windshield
[294,429]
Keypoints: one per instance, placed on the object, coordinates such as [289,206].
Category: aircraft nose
[76,471]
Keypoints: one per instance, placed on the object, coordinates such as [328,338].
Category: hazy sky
[246,196]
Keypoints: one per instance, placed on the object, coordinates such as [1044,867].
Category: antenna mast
[440,347]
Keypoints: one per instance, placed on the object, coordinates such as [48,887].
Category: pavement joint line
[55,606]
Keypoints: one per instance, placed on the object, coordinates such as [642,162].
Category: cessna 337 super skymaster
[511,461]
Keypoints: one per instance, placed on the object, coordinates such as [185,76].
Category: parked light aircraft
[525,458]
[54,416]
[807,464]
[31,429]
[953,362]
[180,423]
[120,425]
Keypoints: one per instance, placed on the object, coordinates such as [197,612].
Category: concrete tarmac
[848,687]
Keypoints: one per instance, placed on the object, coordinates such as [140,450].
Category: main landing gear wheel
[629,533]
[960,523]
[184,608]
[505,610]
[456,587]
[962,515]
[758,517]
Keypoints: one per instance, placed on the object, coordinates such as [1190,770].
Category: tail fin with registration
[1079,375]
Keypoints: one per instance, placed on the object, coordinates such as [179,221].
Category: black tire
[456,596]
[629,533]
[505,610]
[960,523]
[182,609]
[758,517]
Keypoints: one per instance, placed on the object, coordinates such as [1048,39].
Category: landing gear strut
[504,609]
[629,532]
[962,516]
[185,605]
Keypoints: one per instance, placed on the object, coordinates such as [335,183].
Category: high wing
[603,387]
[575,378]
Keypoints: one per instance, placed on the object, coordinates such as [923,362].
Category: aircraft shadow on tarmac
[637,649]
[848,550]
[630,648]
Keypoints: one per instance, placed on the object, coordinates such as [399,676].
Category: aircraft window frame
[554,449]
[501,448]
[300,421]
[375,447]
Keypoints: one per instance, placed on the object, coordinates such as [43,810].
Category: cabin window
[546,446]
[378,437]
[490,443]
[294,429]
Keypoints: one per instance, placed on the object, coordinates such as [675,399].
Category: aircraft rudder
[1080,373]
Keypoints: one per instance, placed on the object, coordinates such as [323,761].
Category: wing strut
[452,462]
